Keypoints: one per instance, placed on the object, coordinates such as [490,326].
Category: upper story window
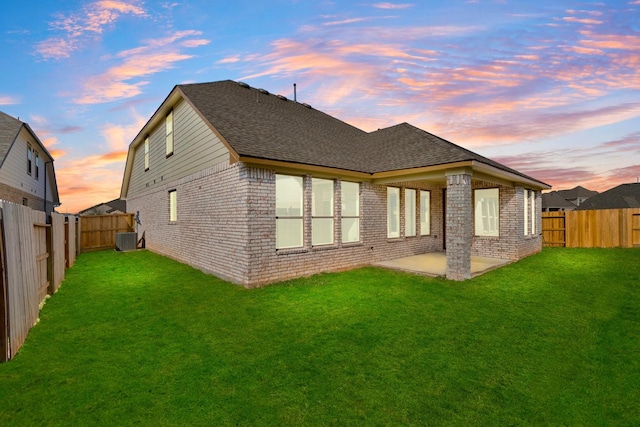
[321,212]
[169,132]
[146,154]
[425,212]
[393,212]
[29,159]
[487,212]
[350,212]
[289,212]
[37,165]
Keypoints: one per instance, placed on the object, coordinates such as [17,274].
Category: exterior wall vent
[126,241]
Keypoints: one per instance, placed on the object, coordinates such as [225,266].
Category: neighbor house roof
[255,124]
[620,197]
[10,128]
[109,207]
[576,192]
[553,200]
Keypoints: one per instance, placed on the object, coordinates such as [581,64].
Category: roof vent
[306,105]
[243,84]
[284,98]
[266,92]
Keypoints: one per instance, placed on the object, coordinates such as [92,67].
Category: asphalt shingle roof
[262,125]
[554,200]
[620,197]
[576,192]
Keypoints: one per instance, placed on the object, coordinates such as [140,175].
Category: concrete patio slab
[435,264]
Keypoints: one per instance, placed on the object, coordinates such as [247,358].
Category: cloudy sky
[551,88]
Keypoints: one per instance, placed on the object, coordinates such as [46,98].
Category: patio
[435,264]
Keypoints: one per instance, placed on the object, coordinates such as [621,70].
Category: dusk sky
[551,88]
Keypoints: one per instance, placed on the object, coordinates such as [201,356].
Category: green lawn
[135,338]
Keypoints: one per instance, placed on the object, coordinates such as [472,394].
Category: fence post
[50,249]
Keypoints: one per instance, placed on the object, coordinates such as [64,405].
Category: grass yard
[135,338]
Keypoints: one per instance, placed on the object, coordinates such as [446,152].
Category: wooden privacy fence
[33,257]
[99,231]
[602,228]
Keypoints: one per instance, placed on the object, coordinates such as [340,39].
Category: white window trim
[169,128]
[393,218]
[298,219]
[173,206]
[425,216]
[526,212]
[533,212]
[490,216]
[343,216]
[330,216]
[410,213]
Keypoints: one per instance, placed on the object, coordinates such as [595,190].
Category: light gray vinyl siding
[14,169]
[196,148]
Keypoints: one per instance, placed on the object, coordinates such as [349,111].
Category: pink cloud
[582,20]
[125,80]
[386,5]
[92,19]
[9,100]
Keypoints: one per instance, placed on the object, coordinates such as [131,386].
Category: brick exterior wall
[459,223]
[14,195]
[226,226]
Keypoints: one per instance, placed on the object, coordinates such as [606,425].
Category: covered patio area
[435,264]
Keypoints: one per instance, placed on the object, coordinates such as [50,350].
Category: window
[532,194]
[393,213]
[321,212]
[37,166]
[409,212]
[526,212]
[350,212]
[29,159]
[487,212]
[169,132]
[146,154]
[289,208]
[173,206]
[25,201]
[425,213]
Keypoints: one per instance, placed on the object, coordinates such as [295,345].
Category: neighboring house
[620,197]
[553,202]
[115,206]
[27,175]
[576,195]
[256,188]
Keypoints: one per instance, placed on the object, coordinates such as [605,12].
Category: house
[621,197]
[256,188]
[27,175]
[115,206]
[553,202]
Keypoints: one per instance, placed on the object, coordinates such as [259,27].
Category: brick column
[459,217]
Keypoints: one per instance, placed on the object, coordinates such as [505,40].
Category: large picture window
[289,212]
[487,212]
[321,212]
[350,212]
[393,212]
[425,213]
[409,212]
[169,132]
